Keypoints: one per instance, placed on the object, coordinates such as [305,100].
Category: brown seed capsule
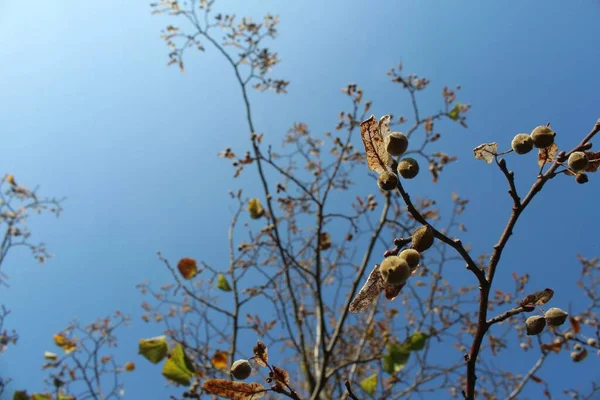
[522,143]
[387,181]
[578,161]
[591,342]
[581,178]
[411,256]
[555,317]
[542,137]
[241,369]
[396,144]
[394,270]
[408,168]
[568,335]
[535,324]
[422,238]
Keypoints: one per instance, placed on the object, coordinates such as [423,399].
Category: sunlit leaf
[371,131]
[555,346]
[281,375]
[486,152]
[219,359]
[538,298]
[369,384]
[178,367]
[234,390]
[50,356]
[416,341]
[594,161]
[188,268]
[67,345]
[154,349]
[395,358]
[65,397]
[41,396]
[10,178]
[255,208]
[546,155]
[223,284]
[261,354]
[454,114]
[369,292]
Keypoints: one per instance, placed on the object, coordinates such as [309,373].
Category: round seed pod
[592,342]
[422,238]
[408,168]
[578,161]
[542,137]
[522,143]
[241,369]
[555,317]
[387,181]
[568,335]
[535,324]
[396,144]
[577,347]
[394,270]
[581,178]
[411,256]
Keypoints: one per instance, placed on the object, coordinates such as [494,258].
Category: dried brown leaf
[575,325]
[577,357]
[486,152]
[234,390]
[556,346]
[594,161]
[546,155]
[372,134]
[261,355]
[281,375]
[369,292]
[538,298]
[391,291]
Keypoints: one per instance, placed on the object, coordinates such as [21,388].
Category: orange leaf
[546,155]
[261,355]
[219,359]
[67,345]
[130,366]
[378,159]
[575,325]
[234,390]
[187,267]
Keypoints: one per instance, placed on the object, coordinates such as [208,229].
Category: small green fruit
[581,178]
[522,143]
[535,324]
[387,181]
[411,256]
[394,270]
[542,137]
[555,317]
[408,168]
[396,144]
[422,238]
[578,161]
[241,369]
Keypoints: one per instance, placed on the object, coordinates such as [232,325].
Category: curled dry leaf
[64,343]
[369,292]
[555,346]
[234,390]
[547,154]
[486,152]
[575,325]
[594,161]
[281,375]
[538,298]
[261,355]
[372,134]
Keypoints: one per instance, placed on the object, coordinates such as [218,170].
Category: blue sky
[90,111]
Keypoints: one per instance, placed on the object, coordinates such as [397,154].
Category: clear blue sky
[91,112]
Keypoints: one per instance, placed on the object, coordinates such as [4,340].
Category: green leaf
[154,349]
[20,395]
[395,359]
[454,114]
[416,341]
[41,396]
[223,284]
[178,367]
[369,384]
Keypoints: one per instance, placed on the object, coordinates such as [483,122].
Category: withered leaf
[575,325]
[556,346]
[538,298]
[486,152]
[281,375]
[546,155]
[234,390]
[594,161]
[391,291]
[577,357]
[369,292]
[261,356]
[378,159]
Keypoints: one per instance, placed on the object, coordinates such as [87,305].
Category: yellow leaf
[50,356]
[219,360]
[10,178]
[67,345]
[154,349]
[255,208]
